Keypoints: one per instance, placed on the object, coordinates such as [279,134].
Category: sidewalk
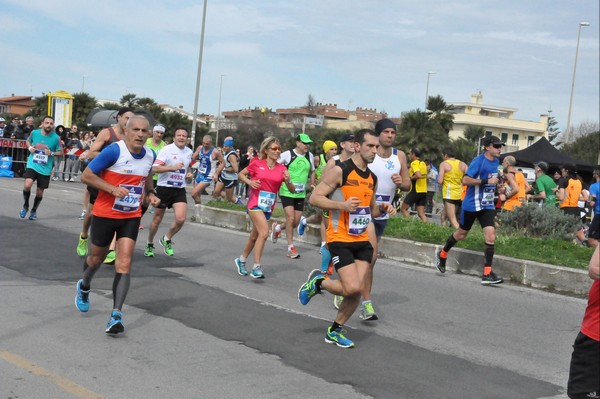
[559,279]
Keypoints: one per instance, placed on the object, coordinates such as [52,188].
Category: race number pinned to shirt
[176,178]
[40,157]
[299,187]
[359,220]
[131,203]
[266,200]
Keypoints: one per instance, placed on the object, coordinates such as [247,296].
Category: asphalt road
[196,329]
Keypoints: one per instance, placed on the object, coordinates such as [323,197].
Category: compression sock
[120,289]
[36,203]
[88,274]
[325,259]
[450,242]
[489,254]
[26,195]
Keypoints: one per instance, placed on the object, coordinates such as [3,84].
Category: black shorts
[594,231]
[43,181]
[572,211]
[379,226]
[418,199]
[297,203]
[485,218]
[103,229]
[154,183]
[93,194]
[169,196]
[454,202]
[345,253]
[585,367]
[227,183]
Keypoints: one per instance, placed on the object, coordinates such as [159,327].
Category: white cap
[2,120]
[159,128]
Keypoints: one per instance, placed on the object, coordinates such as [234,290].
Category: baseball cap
[304,138]
[2,120]
[346,137]
[542,165]
[491,140]
[159,128]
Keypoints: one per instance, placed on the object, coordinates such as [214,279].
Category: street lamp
[83,83]
[219,110]
[198,76]
[427,90]
[568,128]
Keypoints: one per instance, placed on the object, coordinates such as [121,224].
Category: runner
[172,166]
[352,187]
[266,177]
[227,173]
[121,173]
[207,156]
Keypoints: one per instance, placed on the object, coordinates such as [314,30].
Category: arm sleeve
[105,159]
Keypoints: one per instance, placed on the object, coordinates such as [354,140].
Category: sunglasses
[275,148]
[497,145]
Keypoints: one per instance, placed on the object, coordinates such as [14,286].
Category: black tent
[542,150]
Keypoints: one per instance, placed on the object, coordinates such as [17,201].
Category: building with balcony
[498,121]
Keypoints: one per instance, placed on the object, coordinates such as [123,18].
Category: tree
[440,112]
[552,129]
[129,100]
[474,133]
[418,130]
[464,149]
[173,121]
[310,103]
[113,106]
[83,104]
[40,107]
[584,147]
[150,105]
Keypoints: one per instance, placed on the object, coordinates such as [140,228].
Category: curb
[558,279]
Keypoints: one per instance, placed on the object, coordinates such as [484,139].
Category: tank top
[229,175]
[112,138]
[352,227]
[207,163]
[321,168]
[572,192]
[452,184]
[519,199]
[384,168]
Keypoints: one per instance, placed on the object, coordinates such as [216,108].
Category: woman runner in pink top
[264,176]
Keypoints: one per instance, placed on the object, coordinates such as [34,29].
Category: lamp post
[83,83]
[427,89]
[219,110]
[198,76]
[568,128]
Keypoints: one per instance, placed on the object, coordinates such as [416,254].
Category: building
[19,105]
[498,121]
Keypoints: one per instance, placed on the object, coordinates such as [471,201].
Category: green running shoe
[167,245]
[149,250]
[110,257]
[338,338]
[367,312]
[82,247]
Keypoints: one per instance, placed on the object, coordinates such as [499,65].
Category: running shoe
[367,312]
[71,180]
[33,215]
[152,210]
[337,337]
[337,301]
[274,233]
[301,226]
[149,250]
[489,279]
[440,263]
[82,299]
[293,253]
[82,246]
[115,324]
[54,178]
[239,201]
[167,245]
[110,257]
[82,216]
[257,272]
[23,213]
[241,267]
[309,289]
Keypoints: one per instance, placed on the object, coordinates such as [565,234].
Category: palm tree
[474,133]
[129,100]
[83,104]
[418,130]
[440,112]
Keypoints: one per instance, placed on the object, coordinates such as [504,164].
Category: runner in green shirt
[545,188]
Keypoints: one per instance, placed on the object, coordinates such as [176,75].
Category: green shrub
[533,221]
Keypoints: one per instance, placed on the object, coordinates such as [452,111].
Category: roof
[542,150]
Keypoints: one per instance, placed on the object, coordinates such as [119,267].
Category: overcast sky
[374,54]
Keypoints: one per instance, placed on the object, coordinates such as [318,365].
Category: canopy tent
[542,150]
[106,117]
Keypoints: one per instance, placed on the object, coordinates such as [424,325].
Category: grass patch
[554,252]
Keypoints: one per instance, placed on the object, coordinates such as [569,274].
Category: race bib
[203,167]
[299,187]
[488,196]
[381,198]
[359,220]
[176,179]
[266,200]
[40,157]
[131,203]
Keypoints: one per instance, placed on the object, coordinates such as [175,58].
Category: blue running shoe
[301,226]
[337,337]
[309,289]
[241,267]
[257,272]
[115,324]
[23,213]
[33,215]
[82,299]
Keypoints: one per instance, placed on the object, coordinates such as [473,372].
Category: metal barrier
[66,167]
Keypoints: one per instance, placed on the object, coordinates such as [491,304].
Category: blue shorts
[203,179]
[379,226]
[255,209]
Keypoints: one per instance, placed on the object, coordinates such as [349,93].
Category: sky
[371,54]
